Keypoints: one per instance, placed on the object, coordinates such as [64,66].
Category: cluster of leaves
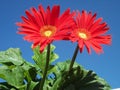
[19,74]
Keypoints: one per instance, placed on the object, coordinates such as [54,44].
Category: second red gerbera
[90,32]
[42,27]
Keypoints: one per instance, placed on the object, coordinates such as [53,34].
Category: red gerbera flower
[89,32]
[42,27]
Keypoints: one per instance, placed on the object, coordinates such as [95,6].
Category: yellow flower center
[47,31]
[83,33]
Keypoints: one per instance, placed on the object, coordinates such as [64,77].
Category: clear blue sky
[106,65]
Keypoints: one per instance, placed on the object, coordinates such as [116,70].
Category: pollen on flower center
[47,31]
[83,35]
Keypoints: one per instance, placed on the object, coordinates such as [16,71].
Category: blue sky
[106,65]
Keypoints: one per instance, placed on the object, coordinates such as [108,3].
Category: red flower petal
[54,14]
[81,45]
[87,44]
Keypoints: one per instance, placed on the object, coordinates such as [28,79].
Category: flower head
[90,32]
[42,27]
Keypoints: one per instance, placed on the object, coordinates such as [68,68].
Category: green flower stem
[46,68]
[74,57]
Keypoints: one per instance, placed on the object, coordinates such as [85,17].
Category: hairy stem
[46,68]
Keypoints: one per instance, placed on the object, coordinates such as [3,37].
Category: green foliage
[22,75]
[77,79]
[13,76]
[15,70]
[11,56]
[40,59]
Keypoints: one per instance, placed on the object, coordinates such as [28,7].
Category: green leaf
[78,79]
[11,56]
[32,86]
[40,58]
[14,69]
[30,72]
[14,76]
[4,86]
